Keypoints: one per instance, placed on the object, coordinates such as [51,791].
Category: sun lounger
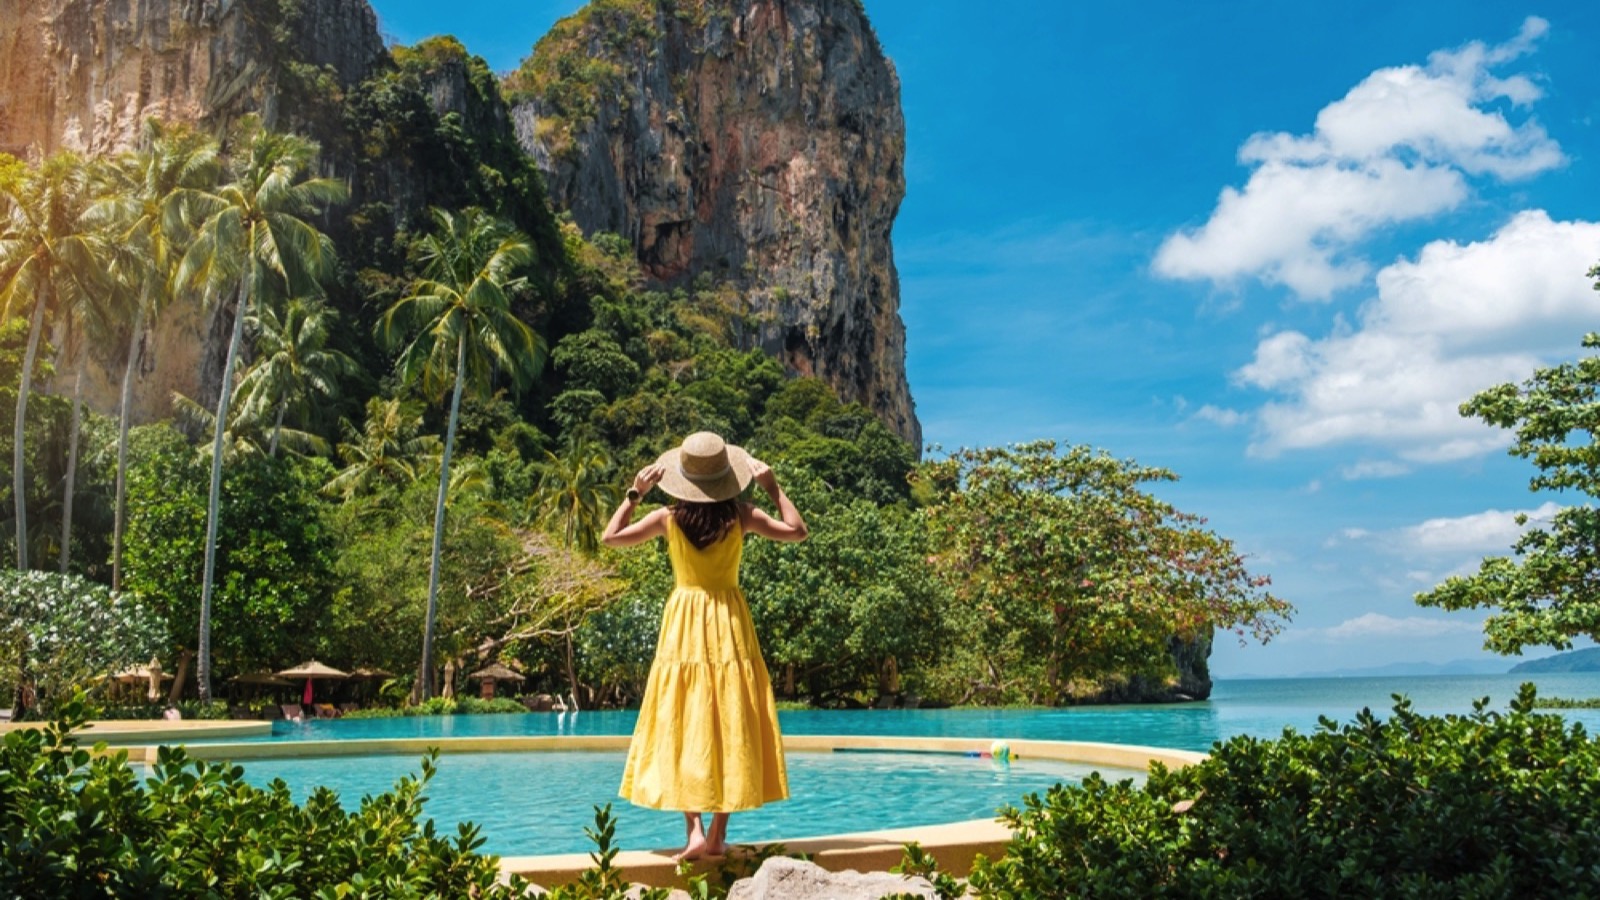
[294,712]
[325,711]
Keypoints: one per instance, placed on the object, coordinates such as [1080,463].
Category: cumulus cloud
[1456,319]
[1491,531]
[1400,146]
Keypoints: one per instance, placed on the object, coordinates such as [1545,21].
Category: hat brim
[726,486]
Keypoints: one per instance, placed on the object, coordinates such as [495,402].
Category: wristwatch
[633,495]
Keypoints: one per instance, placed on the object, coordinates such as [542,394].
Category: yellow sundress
[707,737]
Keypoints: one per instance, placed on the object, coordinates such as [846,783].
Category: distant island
[1585,660]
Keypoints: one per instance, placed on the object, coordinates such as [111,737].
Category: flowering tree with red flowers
[1069,569]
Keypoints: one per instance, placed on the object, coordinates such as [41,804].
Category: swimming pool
[539,803]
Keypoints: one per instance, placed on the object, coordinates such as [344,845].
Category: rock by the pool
[783,878]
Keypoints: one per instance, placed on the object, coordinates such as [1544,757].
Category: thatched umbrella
[312,670]
[492,673]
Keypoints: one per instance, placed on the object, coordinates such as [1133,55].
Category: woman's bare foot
[695,843]
[696,849]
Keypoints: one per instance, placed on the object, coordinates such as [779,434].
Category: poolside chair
[325,711]
[294,712]
[348,708]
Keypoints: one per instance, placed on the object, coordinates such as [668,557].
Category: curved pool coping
[955,845]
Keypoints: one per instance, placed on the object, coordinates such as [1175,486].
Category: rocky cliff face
[755,140]
[83,75]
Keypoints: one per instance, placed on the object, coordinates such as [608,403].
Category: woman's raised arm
[791,527]
[622,531]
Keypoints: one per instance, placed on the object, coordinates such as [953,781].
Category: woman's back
[715,567]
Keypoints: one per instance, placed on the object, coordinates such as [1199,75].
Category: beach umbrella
[310,671]
[371,672]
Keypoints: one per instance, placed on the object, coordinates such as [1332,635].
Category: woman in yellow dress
[707,737]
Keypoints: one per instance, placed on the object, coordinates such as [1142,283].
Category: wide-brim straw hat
[705,469]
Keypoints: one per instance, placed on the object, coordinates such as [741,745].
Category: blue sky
[1271,246]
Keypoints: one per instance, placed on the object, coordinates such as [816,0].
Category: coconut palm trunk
[70,489]
[124,417]
[214,504]
[18,482]
[426,674]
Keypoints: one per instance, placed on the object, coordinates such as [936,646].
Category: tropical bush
[61,632]
[1483,805]
[81,824]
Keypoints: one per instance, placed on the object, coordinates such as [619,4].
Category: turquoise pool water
[539,803]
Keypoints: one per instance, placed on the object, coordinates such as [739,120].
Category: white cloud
[1398,147]
[1455,320]
[1216,415]
[1373,468]
[1491,531]
[1376,626]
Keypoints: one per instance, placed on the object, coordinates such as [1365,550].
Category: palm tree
[294,365]
[388,448]
[244,434]
[575,494]
[254,240]
[143,196]
[458,321]
[45,256]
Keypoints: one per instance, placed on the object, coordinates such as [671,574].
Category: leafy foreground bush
[1484,805]
[72,825]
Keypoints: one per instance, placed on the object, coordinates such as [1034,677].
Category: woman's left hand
[648,477]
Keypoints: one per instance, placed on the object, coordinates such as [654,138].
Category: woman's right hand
[762,474]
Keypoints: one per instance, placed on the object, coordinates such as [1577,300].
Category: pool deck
[124,732]
[955,845]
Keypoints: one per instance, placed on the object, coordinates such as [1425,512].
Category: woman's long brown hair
[705,523]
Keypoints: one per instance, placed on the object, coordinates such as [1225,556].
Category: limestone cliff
[755,140]
[84,74]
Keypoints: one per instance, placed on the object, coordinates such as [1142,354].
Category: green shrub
[76,825]
[1483,805]
[479,706]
